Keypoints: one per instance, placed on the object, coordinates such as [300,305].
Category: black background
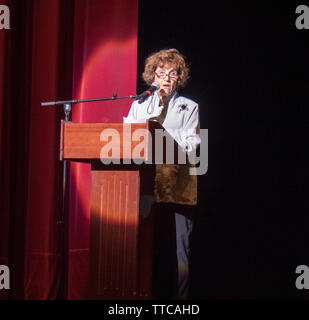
[249,74]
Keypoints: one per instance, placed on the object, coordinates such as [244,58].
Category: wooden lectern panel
[114,231]
[85,140]
[122,202]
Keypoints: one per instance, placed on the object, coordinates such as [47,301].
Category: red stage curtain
[54,50]
[52,47]
[105,62]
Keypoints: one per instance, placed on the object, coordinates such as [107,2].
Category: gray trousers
[172,234]
[183,232]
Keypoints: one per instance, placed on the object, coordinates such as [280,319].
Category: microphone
[143,96]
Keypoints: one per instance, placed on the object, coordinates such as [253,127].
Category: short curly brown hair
[170,56]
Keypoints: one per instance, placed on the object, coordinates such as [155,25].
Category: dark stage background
[250,76]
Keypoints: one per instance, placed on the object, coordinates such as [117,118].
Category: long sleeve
[173,182]
[188,136]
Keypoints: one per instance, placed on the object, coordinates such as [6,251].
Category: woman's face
[167,76]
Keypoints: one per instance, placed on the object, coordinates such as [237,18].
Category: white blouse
[181,121]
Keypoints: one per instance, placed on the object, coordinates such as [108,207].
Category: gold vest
[173,183]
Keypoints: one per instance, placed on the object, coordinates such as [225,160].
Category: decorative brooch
[183,107]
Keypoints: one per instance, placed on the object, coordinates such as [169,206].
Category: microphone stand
[114,97]
[63,222]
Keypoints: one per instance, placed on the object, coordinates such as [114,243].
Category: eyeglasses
[162,74]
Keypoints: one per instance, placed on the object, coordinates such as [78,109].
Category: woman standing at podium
[175,188]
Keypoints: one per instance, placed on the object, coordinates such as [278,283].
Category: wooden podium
[122,198]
